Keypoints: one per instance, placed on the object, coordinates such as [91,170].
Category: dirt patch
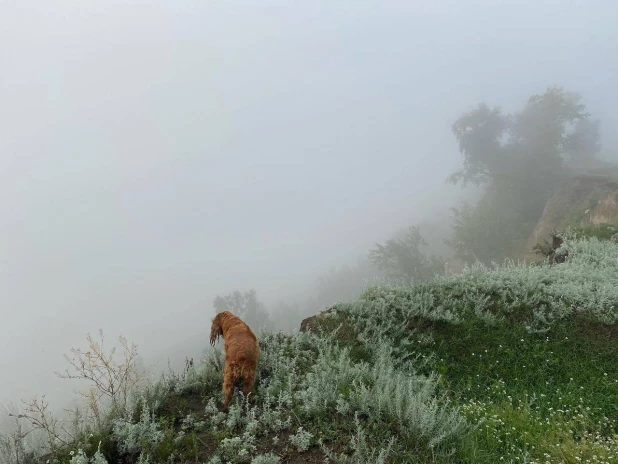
[288,454]
[208,446]
[178,406]
[281,448]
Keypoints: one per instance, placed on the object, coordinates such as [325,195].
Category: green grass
[535,384]
[533,391]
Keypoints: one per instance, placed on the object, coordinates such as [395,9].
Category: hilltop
[509,364]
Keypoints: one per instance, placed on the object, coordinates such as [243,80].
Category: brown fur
[241,353]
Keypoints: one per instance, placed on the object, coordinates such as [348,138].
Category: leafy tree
[480,133]
[485,233]
[518,157]
[403,259]
[584,142]
[246,306]
[498,147]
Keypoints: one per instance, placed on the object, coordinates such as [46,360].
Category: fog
[156,154]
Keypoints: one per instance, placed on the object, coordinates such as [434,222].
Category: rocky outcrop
[583,201]
[312,323]
[309,324]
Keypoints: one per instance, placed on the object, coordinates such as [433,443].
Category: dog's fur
[241,353]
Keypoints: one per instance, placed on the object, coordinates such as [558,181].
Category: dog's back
[241,346]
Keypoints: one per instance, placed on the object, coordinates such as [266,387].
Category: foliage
[268,458]
[485,233]
[135,437]
[301,439]
[362,452]
[110,378]
[38,417]
[518,157]
[599,231]
[554,251]
[527,145]
[480,134]
[13,449]
[402,258]
[81,458]
[584,142]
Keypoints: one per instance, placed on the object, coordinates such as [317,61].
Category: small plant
[266,459]
[81,458]
[12,445]
[40,419]
[136,437]
[362,453]
[238,450]
[110,378]
[301,440]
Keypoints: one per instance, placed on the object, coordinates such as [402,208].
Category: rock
[311,323]
[581,201]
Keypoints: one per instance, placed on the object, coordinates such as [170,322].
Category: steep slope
[583,200]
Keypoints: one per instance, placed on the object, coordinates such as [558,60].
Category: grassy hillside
[513,364]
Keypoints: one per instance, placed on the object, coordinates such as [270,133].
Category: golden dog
[241,353]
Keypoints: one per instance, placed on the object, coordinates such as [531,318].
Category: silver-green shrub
[301,439]
[379,389]
[587,283]
[268,458]
[132,437]
[362,453]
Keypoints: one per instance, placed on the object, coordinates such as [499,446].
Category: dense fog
[155,155]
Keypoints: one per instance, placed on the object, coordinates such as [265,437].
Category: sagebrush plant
[362,453]
[134,437]
[534,296]
[301,439]
[80,457]
[510,363]
[405,400]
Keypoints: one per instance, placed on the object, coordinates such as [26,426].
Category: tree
[480,135]
[246,306]
[518,157]
[403,259]
[584,142]
[531,143]
[485,233]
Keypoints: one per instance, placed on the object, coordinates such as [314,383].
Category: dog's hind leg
[228,385]
[248,381]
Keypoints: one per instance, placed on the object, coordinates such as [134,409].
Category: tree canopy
[246,306]
[532,142]
[519,158]
[403,259]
